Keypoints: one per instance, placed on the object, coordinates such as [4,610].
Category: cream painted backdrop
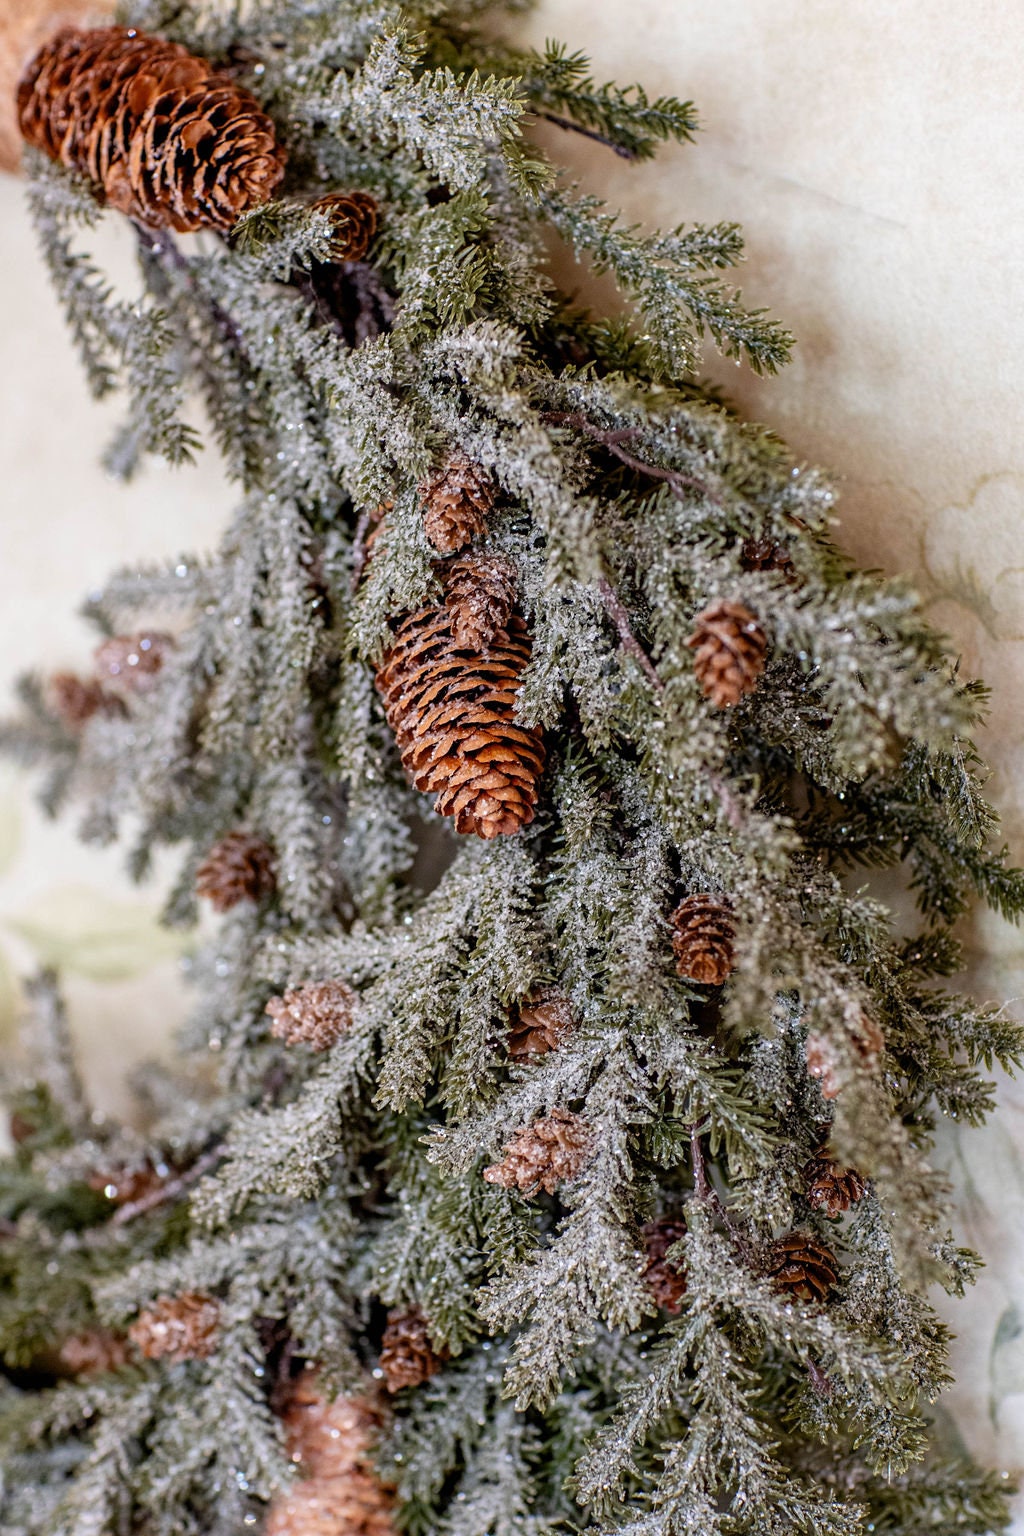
[873,154]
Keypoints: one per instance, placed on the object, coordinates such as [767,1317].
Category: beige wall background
[872,153]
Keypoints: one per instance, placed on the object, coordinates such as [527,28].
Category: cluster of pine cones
[450,677]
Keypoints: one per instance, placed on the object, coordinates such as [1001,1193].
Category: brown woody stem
[170,1190]
[359,550]
[587,133]
[630,643]
[613,440]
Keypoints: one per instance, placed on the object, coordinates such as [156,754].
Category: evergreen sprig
[307,1193]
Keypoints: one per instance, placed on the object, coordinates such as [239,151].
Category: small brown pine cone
[183,1327]
[238,868]
[830,1187]
[88,1354]
[729,646]
[171,142]
[133,662]
[543,1155]
[766,555]
[479,593]
[456,504]
[822,1063]
[868,1040]
[664,1278]
[453,715]
[407,1356]
[704,939]
[77,699]
[538,1024]
[803,1266]
[353,218]
[317,1014]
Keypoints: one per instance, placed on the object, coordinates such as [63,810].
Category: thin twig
[160,243]
[819,1381]
[730,805]
[613,440]
[706,1191]
[359,550]
[701,1182]
[630,643]
[587,133]
[169,1190]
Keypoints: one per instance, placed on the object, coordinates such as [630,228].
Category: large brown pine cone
[170,141]
[479,593]
[730,648]
[803,1266]
[238,868]
[407,1356]
[353,218]
[183,1327]
[538,1024]
[831,1187]
[664,1278]
[338,1492]
[453,715]
[543,1155]
[456,504]
[704,939]
[317,1014]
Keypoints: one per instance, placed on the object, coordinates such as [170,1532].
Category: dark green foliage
[310,1193]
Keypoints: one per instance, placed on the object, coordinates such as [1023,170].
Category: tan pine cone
[77,699]
[24,25]
[479,593]
[169,140]
[183,1327]
[665,1279]
[803,1266]
[353,217]
[456,503]
[238,868]
[538,1024]
[407,1356]
[317,1014]
[453,715]
[89,1354]
[133,662]
[704,939]
[729,646]
[831,1187]
[543,1155]
[339,1493]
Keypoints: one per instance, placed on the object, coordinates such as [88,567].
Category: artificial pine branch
[602,1135]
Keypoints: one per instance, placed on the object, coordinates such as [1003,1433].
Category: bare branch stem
[612,439]
[630,644]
